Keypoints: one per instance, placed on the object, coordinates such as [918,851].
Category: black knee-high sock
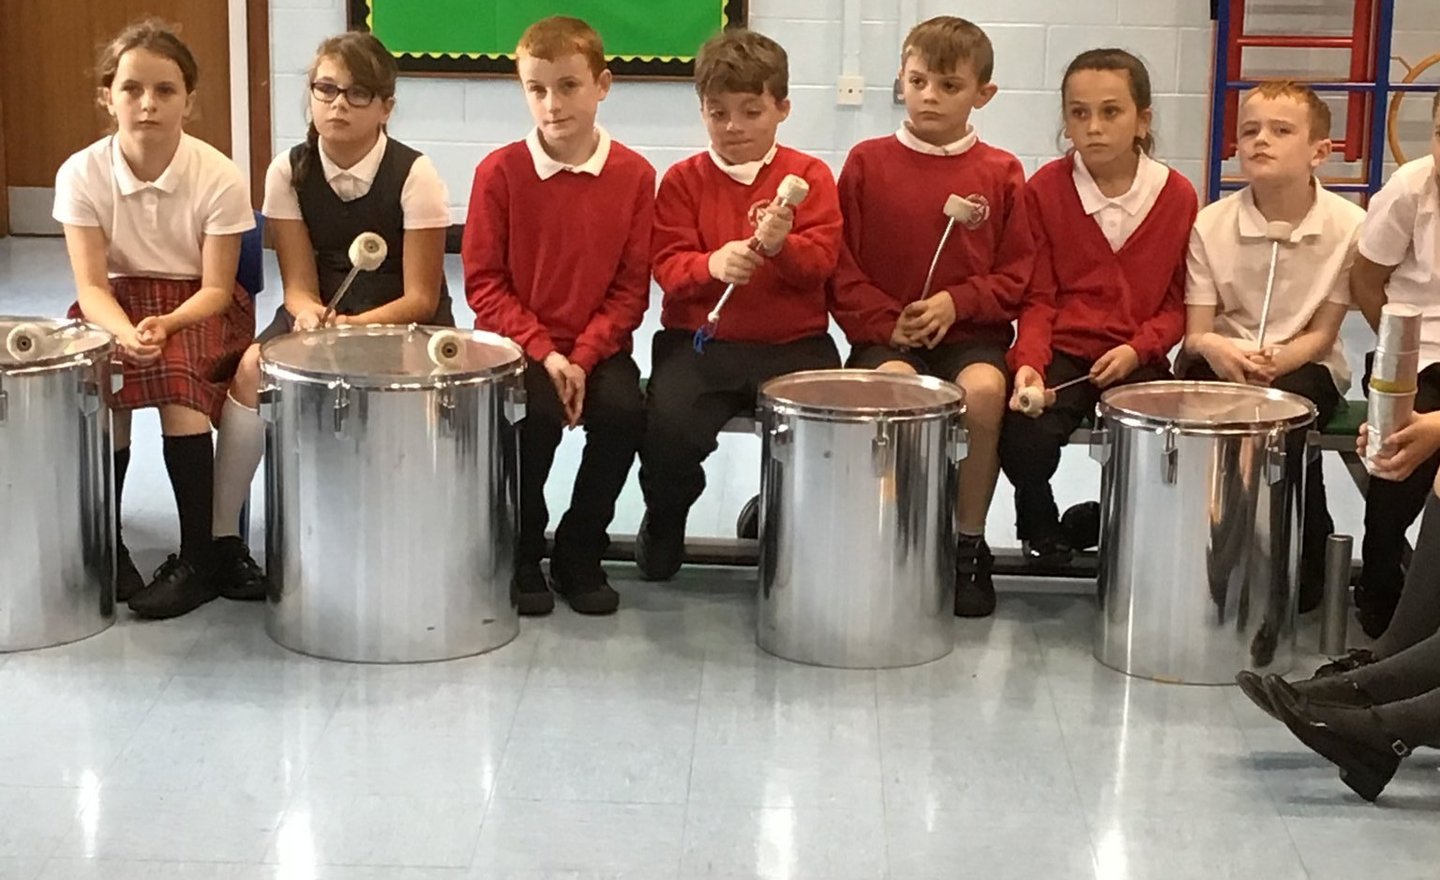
[190,461]
[122,465]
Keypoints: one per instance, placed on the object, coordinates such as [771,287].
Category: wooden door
[47,76]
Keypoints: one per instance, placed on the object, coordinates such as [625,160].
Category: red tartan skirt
[186,372]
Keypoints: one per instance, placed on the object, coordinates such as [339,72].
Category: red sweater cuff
[539,347]
[1028,356]
[585,357]
[698,271]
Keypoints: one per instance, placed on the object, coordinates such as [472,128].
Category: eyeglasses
[355,96]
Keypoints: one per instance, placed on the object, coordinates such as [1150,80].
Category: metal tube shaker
[1392,376]
[1335,607]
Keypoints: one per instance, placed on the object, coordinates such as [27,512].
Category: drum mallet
[1335,615]
[792,191]
[957,210]
[367,252]
[24,341]
[1277,231]
[1032,400]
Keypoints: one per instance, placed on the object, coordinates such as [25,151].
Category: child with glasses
[347,178]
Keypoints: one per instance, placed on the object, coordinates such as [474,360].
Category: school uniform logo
[981,212]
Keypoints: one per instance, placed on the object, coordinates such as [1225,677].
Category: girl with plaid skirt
[153,219]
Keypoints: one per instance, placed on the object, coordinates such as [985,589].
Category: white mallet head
[368,251]
[1032,401]
[446,349]
[958,209]
[1278,230]
[793,189]
[23,342]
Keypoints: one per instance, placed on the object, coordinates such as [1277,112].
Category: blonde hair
[551,38]
[946,41]
[1302,94]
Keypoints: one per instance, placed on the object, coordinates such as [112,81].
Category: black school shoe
[1323,691]
[179,587]
[128,579]
[235,573]
[1080,525]
[974,581]
[1353,739]
[659,550]
[1047,550]
[584,587]
[1352,660]
[532,592]
[1374,614]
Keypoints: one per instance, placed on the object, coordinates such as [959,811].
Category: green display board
[642,37]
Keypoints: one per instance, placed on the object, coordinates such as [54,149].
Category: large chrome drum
[57,545]
[392,494]
[857,517]
[1200,528]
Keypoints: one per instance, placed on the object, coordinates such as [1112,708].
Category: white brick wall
[458,121]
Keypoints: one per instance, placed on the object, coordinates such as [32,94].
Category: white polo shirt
[153,229]
[1229,262]
[1120,216]
[423,197]
[546,167]
[1403,230]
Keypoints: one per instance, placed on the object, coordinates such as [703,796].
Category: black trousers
[1030,448]
[1314,383]
[1407,680]
[690,398]
[1390,508]
[613,420]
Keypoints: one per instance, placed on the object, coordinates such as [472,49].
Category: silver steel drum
[391,493]
[57,489]
[857,517]
[1200,525]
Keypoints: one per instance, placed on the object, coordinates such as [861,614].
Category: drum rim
[1110,411]
[91,356]
[767,400]
[448,378]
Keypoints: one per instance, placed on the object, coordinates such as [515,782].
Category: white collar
[168,180]
[745,172]
[1253,224]
[908,138]
[1149,177]
[546,167]
[364,170]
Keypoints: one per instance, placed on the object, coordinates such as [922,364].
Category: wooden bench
[1337,435]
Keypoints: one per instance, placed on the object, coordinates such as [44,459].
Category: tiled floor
[659,743]
[662,744]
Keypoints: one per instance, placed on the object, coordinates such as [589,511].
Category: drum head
[1201,406]
[845,394]
[382,355]
[48,342]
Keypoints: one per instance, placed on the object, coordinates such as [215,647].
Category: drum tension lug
[515,404]
[342,403]
[1171,465]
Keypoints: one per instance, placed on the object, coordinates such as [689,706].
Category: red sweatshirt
[893,199]
[1085,299]
[699,208]
[561,264]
